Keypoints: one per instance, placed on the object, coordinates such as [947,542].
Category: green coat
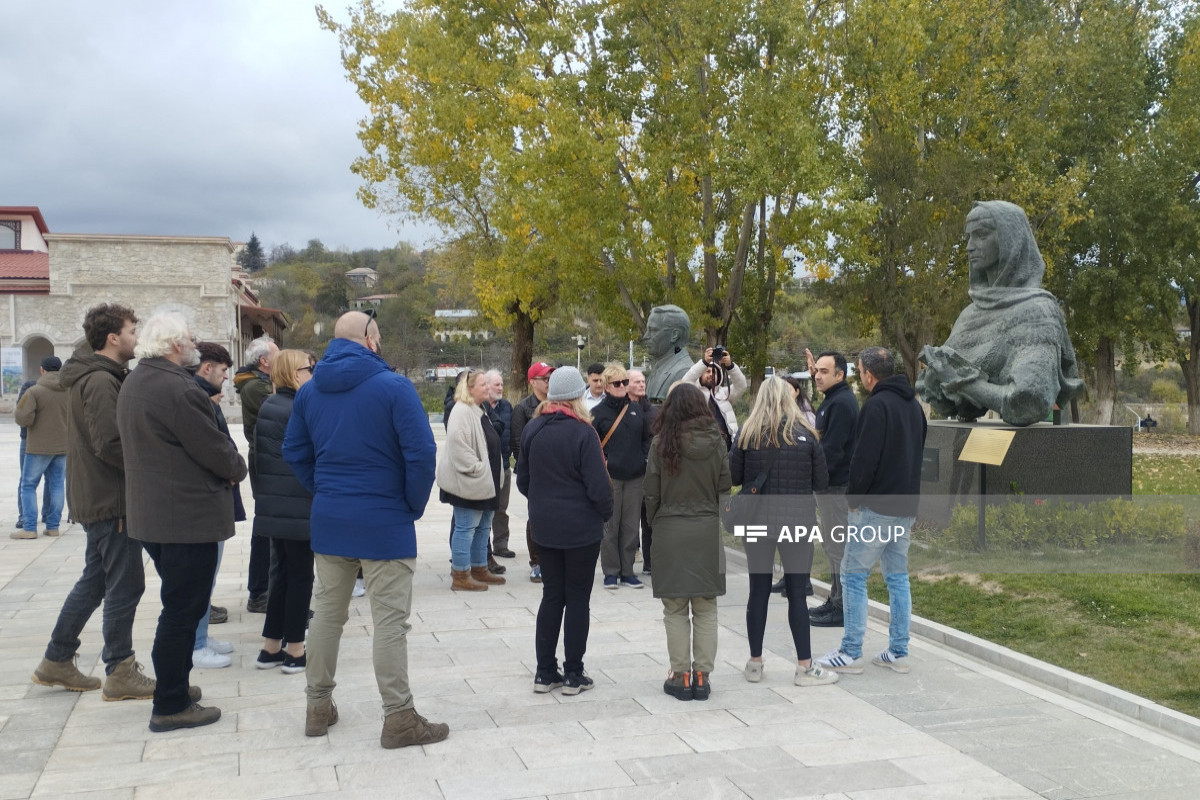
[684,511]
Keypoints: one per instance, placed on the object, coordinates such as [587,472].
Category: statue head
[667,329]
[1001,250]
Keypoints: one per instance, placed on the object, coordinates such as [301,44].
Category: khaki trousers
[389,589]
[619,546]
[691,642]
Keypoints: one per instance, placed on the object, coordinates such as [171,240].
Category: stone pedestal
[1044,459]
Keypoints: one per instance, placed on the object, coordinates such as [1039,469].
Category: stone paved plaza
[953,728]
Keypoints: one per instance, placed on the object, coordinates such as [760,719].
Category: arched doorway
[36,348]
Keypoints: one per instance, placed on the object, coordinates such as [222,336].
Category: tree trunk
[522,352]
[1106,381]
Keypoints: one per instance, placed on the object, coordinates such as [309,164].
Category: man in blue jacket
[360,441]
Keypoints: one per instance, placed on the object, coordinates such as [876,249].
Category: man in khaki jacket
[43,413]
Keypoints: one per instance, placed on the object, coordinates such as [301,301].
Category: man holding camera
[723,382]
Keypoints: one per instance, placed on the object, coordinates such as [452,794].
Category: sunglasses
[371,314]
[619,383]
[305,369]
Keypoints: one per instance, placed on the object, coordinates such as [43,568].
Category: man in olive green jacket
[43,413]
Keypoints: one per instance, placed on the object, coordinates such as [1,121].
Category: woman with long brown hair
[686,475]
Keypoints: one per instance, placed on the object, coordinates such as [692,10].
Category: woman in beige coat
[468,475]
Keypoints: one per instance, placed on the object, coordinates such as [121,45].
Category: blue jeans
[114,573]
[45,489]
[891,551]
[202,626]
[54,469]
[469,541]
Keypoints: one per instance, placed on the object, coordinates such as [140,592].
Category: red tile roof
[24,264]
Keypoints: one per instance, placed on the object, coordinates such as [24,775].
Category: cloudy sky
[213,118]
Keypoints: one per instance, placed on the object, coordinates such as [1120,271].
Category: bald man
[376,469]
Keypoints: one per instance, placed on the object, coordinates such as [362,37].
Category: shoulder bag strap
[616,422]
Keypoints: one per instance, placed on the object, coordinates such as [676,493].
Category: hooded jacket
[43,411]
[885,470]
[684,510]
[95,459]
[181,469]
[359,440]
[253,387]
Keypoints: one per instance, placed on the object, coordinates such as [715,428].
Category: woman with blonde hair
[561,470]
[777,455]
[281,511]
[625,438]
[468,475]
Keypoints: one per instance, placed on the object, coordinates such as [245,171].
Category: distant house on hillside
[51,279]
[371,300]
[459,323]
[363,277]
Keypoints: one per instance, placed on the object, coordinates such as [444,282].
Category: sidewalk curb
[1072,684]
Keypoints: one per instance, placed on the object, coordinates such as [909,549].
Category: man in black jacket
[500,413]
[836,421]
[538,376]
[883,494]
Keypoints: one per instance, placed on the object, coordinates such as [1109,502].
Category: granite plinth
[1044,459]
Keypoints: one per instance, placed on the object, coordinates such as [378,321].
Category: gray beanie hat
[566,384]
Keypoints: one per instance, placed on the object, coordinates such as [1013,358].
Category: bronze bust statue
[668,329]
[1009,350]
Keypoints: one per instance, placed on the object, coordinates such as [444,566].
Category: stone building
[49,280]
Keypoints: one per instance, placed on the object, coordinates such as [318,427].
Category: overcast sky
[213,118]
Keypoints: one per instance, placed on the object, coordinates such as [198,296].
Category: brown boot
[482,575]
[407,727]
[128,682]
[64,674]
[463,582]
[320,716]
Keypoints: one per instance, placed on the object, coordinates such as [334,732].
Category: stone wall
[187,275]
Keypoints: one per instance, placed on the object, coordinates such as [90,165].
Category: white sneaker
[815,675]
[205,658]
[838,661]
[890,660]
[360,587]
[219,646]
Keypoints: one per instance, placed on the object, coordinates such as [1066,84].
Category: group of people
[600,464]
[342,461]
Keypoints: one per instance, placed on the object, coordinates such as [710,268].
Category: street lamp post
[580,342]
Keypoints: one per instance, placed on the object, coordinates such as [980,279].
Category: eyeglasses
[371,314]
[545,378]
[619,383]
[305,369]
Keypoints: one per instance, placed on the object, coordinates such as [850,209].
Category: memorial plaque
[987,447]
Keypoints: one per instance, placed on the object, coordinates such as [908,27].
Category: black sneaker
[217,615]
[269,660]
[294,664]
[700,688]
[576,682]
[679,686]
[504,552]
[257,604]
[833,618]
[779,587]
[545,682]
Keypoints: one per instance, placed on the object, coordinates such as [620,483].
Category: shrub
[1073,526]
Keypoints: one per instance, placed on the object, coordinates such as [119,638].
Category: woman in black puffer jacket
[777,439]
[281,511]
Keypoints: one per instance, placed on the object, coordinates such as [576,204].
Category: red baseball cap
[539,370]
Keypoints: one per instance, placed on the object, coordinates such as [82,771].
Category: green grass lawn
[1139,632]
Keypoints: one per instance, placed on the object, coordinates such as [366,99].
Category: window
[10,235]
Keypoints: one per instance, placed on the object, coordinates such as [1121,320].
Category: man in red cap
[539,381]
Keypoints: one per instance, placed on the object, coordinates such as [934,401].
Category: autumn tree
[618,154]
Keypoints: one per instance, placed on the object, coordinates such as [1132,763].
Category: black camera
[718,354]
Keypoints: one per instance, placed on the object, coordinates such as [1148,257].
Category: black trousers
[187,572]
[756,612]
[567,579]
[291,589]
